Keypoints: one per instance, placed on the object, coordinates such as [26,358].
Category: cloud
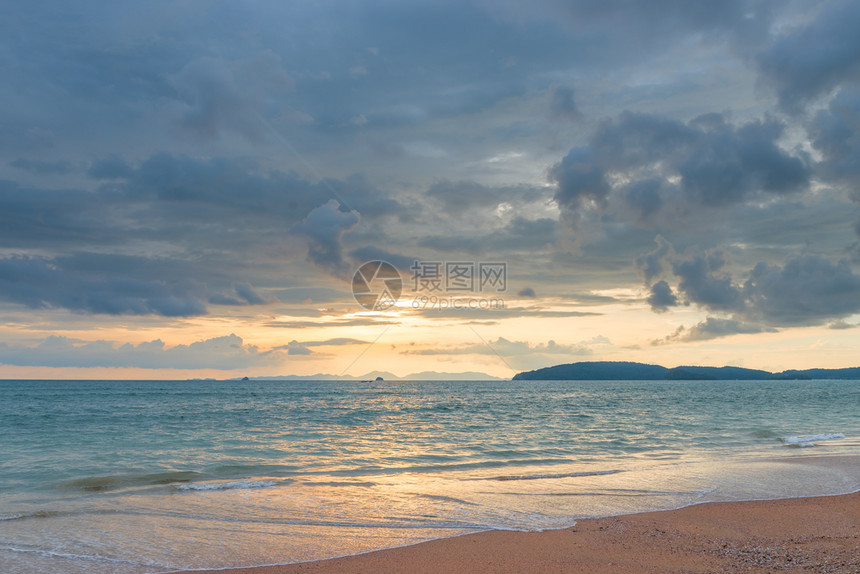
[805,290]
[661,297]
[647,162]
[815,57]
[368,322]
[40,283]
[303,348]
[222,353]
[210,226]
[324,227]
[527,292]
[494,309]
[835,132]
[580,182]
[712,328]
[651,264]
[215,95]
[455,197]
[53,218]
[245,294]
[702,284]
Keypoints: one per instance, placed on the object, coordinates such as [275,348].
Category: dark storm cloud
[579,179]
[644,197]
[222,69]
[700,283]
[726,164]
[183,94]
[717,163]
[815,57]
[804,290]
[46,218]
[242,186]
[324,227]
[40,283]
[651,264]
[835,133]
[225,206]
[661,297]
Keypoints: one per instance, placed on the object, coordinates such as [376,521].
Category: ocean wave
[434,468]
[113,482]
[562,475]
[811,439]
[230,485]
[443,498]
[34,514]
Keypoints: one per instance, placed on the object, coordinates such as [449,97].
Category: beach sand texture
[815,535]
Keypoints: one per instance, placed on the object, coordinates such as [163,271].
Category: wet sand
[791,535]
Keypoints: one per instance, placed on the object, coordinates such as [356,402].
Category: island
[630,371]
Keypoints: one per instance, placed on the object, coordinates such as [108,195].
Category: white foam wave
[231,485]
[813,438]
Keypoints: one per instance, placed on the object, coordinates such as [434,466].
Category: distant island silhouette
[629,371]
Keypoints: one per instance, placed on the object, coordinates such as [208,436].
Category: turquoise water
[118,476]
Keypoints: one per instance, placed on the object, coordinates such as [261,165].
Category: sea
[159,476]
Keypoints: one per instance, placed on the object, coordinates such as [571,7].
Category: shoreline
[809,534]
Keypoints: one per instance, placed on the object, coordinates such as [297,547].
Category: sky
[188,189]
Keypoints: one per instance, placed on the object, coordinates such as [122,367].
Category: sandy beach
[801,534]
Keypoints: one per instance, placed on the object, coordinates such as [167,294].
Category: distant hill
[596,371]
[422,376]
[627,371]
